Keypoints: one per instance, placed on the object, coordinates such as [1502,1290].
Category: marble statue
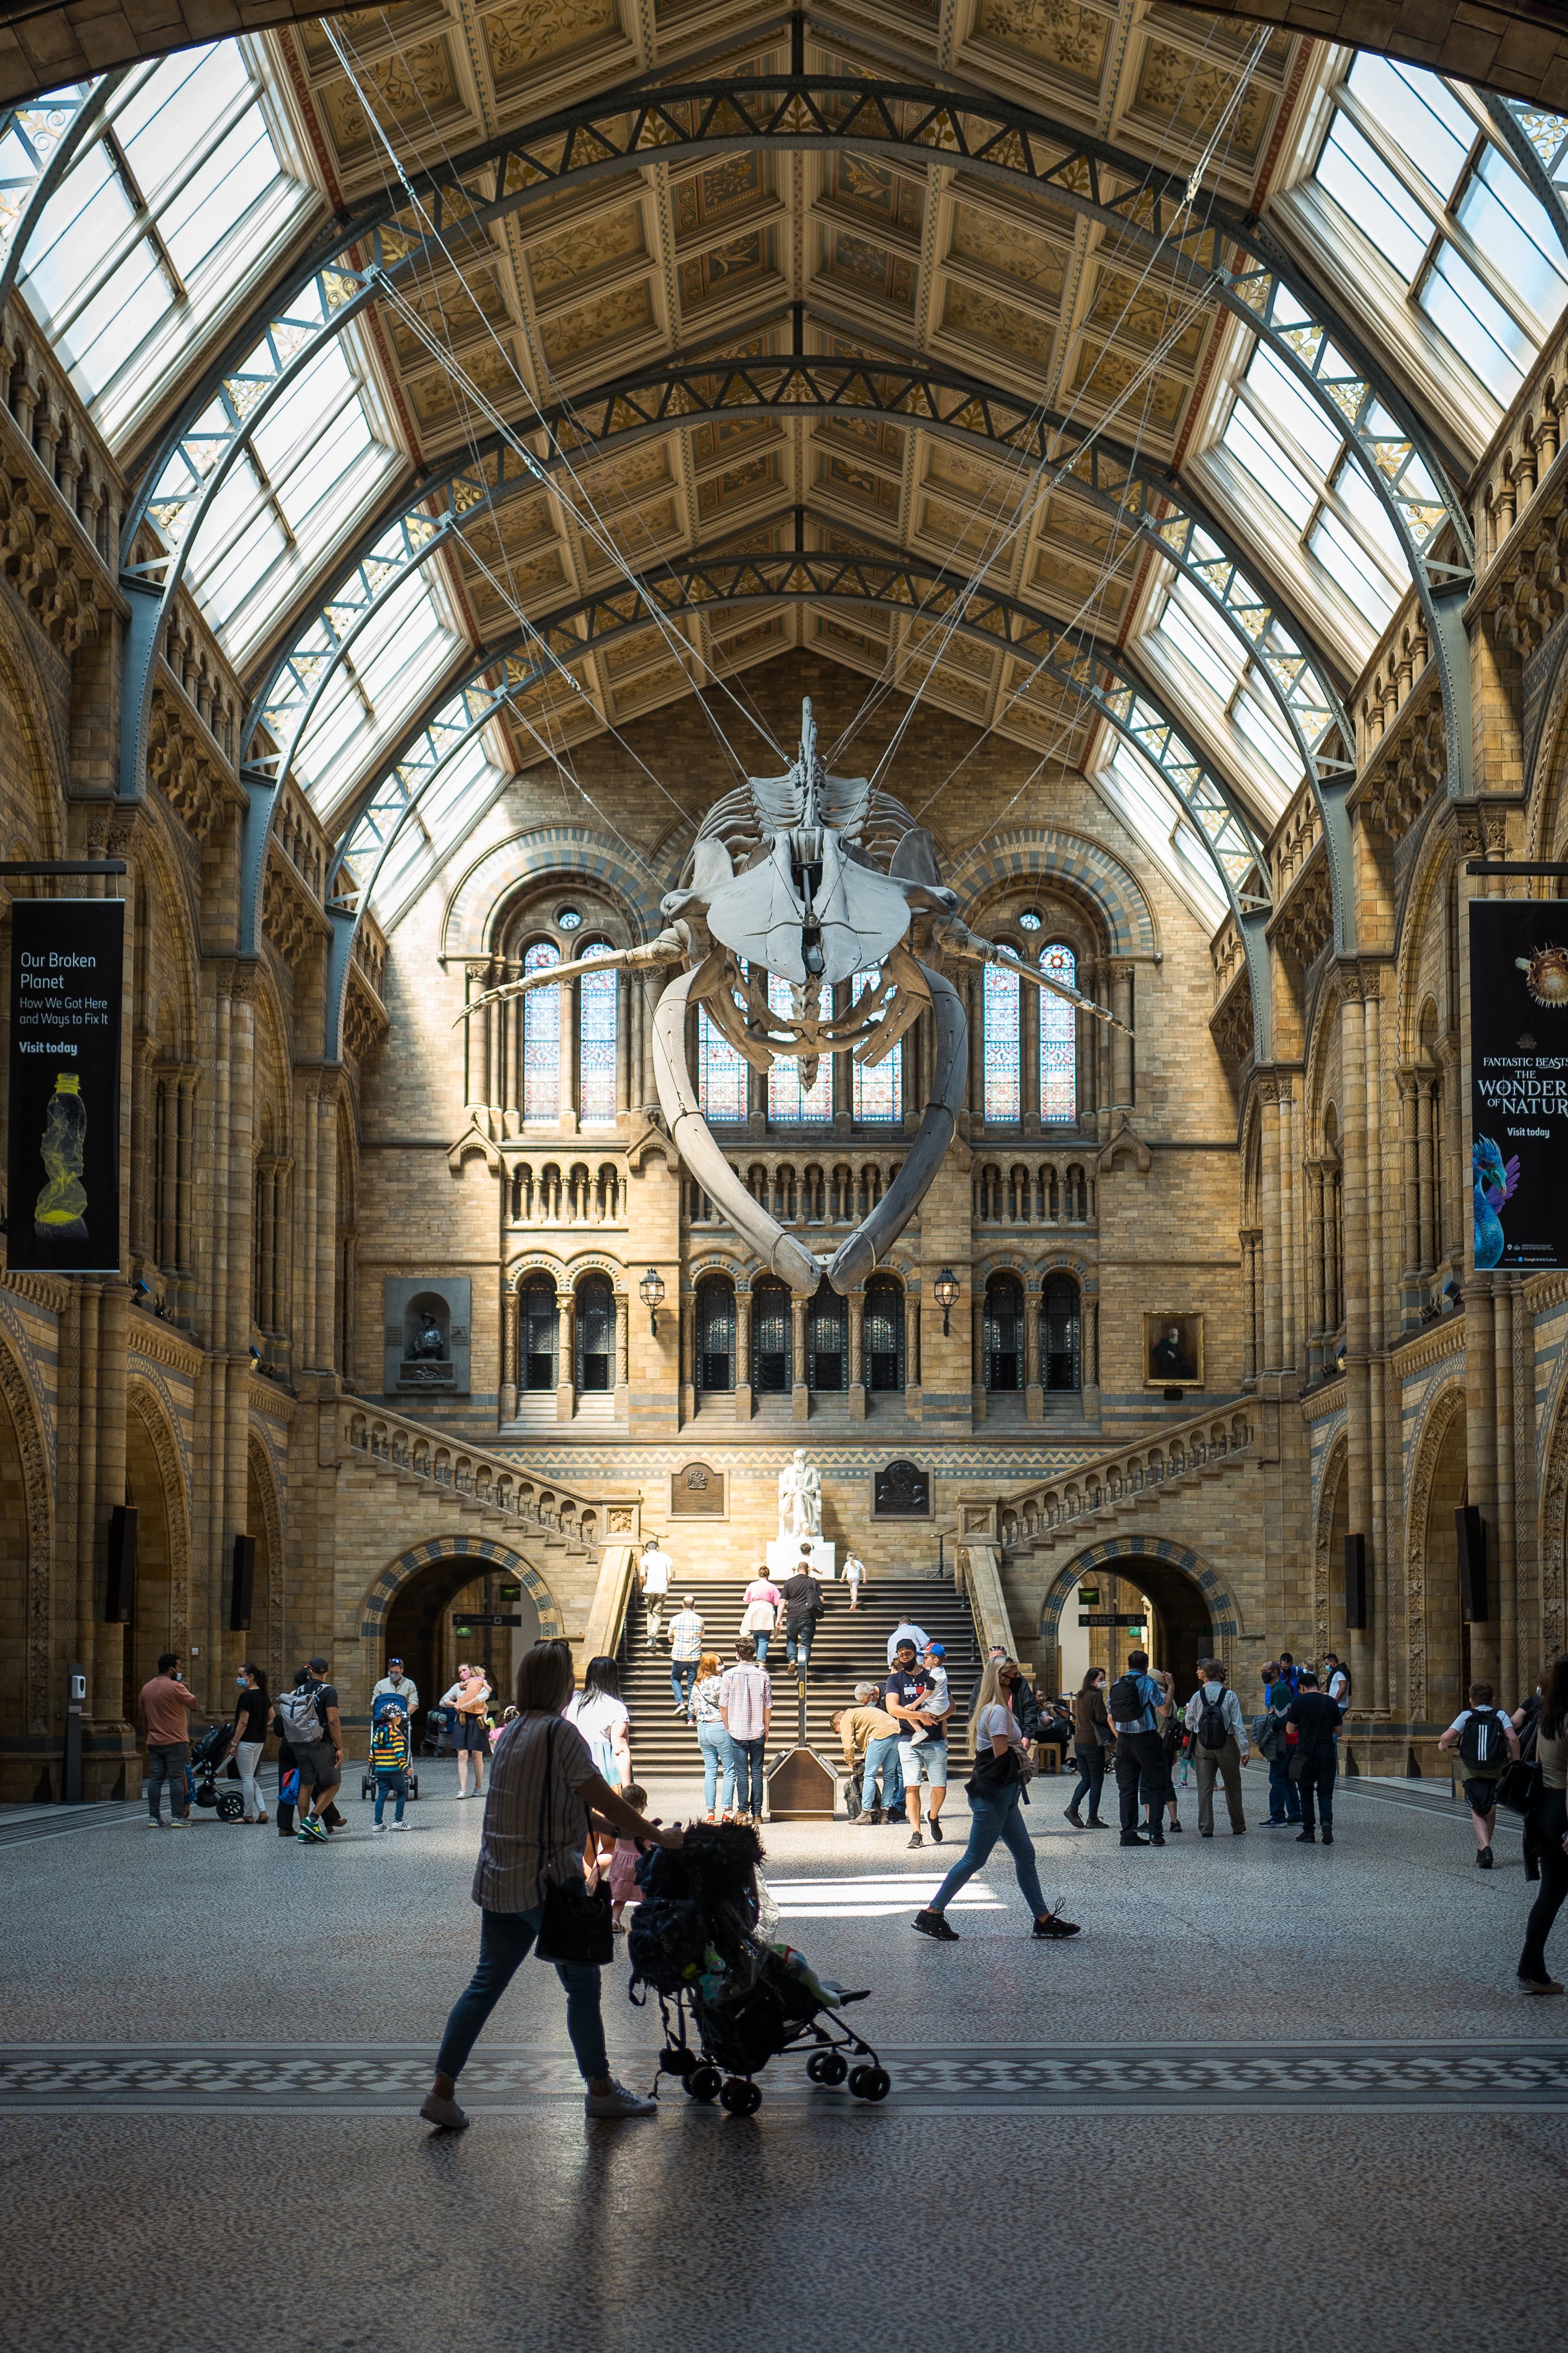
[800,1497]
[809,878]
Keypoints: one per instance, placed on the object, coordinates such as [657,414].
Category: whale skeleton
[811,878]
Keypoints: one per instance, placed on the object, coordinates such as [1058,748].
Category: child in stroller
[205,1757]
[698,1939]
[440,1728]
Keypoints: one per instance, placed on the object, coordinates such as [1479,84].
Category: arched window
[721,1072]
[598,994]
[879,1087]
[542,1038]
[537,1327]
[1058,1039]
[827,1340]
[884,1335]
[788,1100]
[715,1334]
[770,1338]
[1002,1036]
[1060,1330]
[1002,1337]
[596,1334]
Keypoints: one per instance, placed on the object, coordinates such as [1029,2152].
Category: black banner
[1519,1085]
[62,1193]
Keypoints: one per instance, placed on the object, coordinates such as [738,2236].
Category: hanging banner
[1519,1085]
[62,1191]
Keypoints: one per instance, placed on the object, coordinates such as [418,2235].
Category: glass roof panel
[1421,114]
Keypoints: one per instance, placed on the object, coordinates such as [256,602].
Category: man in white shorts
[653,1569]
[853,1575]
[918,1698]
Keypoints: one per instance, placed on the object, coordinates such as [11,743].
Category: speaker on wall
[120,1591]
[242,1585]
[1470,1530]
[1355,1581]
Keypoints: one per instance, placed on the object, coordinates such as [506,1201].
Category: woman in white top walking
[602,1716]
[1001,1770]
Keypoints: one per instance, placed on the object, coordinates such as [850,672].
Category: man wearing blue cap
[923,1741]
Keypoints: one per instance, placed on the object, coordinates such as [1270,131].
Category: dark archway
[1182,1631]
[419,1627]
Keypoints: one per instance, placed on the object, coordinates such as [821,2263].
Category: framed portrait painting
[1172,1351]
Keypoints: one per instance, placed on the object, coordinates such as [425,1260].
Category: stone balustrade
[486,1479]
[1110,1479]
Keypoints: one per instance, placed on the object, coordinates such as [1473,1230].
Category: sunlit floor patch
[873,1896]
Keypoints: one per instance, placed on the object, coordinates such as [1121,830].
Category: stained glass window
[1058,1037]
[542,1038]
[721,1072]
[597,1002]
[1002,1036]
[879,1090]
[787,1099]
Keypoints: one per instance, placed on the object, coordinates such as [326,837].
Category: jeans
[167,1761]
[748,1757]
[506,1939]
[391,1785]
[682,1675]
[717,1767]
[797,1646]
[1141,1756]
[761,1642]
[1549,1822]
[1227,1763]
[991,1819]
[1090,1775]
[881,1759]
[1284,1797]
[1318,1778]
[248,1755]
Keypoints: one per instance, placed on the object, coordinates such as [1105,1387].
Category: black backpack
[1126,1701]
[1483,1742]
[1213,1729]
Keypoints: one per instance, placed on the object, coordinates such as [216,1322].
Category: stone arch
[1081,867]
[383,1590]
[1330,1525]
[264,1505]
[1164,1566]
[156,1482]
[526,860]
[27,1518]
[1436,1642]
[410,1603]
[595,1262]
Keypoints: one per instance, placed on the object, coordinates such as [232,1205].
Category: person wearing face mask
[252,1715]
[395,1680]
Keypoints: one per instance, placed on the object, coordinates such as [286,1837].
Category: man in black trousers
[1138,1703]
[1315,1759]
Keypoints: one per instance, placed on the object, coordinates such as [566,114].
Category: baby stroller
[205,1757]
[440,1724]
[698,1941]
[388,1703]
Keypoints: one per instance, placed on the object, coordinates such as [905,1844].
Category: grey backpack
[300,1716]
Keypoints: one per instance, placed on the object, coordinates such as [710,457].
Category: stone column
[1033,1383]
[800,1391]
[1121,1065]
[323,1107]
[912,1335]
[1358,1316]
[623,1353]
[568,1056]
[1317,1312]
[687,1355]
[566,1358]
[1429,1245]
[624,999]
[1089,1354]
[742,1355]
[977,1356]
[1269,1211]
[973,1005]
[1504,1603]
[857,1303]
[1029,1058]
[510,1375]
[144,1150]
[1410,1253]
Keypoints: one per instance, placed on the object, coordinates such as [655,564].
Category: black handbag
[1519,1786]
[577,1924]
[1302,1759]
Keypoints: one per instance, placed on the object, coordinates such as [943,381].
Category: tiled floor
[1265,2074]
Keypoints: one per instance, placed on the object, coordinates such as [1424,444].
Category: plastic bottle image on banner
[62,1193]
[1519,1082]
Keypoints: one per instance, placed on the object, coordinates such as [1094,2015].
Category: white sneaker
[445,2113]
[400,1826]
[462,1794]
[617,2102]
[378,1826]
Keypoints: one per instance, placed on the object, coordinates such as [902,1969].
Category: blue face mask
[241,1681]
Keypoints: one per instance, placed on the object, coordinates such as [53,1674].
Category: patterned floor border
[259,2079]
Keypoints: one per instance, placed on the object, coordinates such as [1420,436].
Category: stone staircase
[850,1648]
[1092,1499]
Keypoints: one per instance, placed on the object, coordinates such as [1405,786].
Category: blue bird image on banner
[1495,1182]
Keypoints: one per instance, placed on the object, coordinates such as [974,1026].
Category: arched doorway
[1003,1333]
[1188,1612]
[421,1626]
[715,1334]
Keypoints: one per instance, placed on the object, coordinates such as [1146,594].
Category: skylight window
[379,682]
[1418,176]
[158,222]
[451,804]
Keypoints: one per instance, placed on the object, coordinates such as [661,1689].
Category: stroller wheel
[740,2098]
[230,1805]
[703,2083]
[870,2083]
[677,2061]
[828,2067]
